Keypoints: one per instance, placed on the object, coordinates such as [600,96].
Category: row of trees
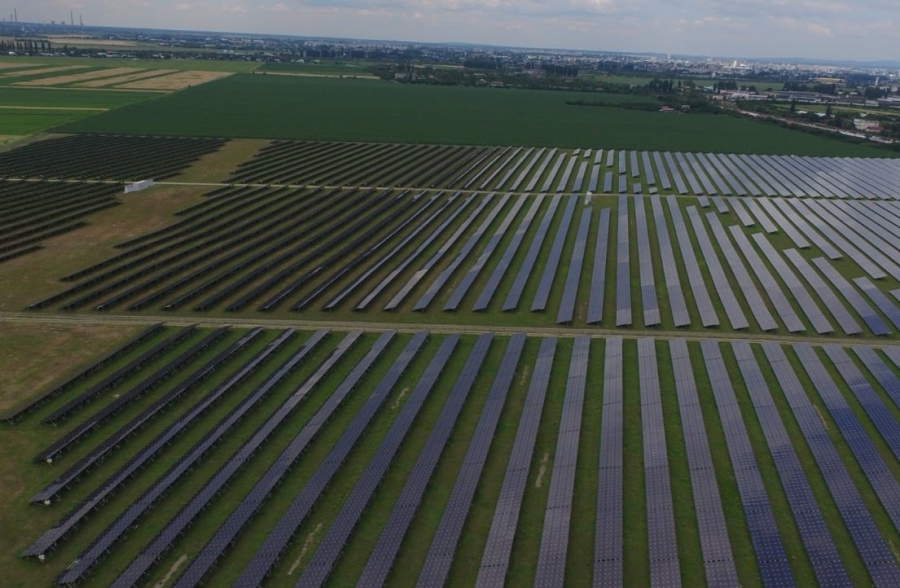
[26,46]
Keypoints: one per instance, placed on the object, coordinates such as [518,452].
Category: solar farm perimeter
[398,364]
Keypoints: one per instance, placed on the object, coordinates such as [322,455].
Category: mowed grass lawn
[285,107]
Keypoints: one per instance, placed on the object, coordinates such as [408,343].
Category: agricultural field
[293,107]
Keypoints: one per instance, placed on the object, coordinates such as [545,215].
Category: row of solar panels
[664,558]
[547,170]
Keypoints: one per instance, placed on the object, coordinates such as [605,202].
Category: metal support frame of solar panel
[598,274]
[548,181]
[551,267]
[708,316]
[382,558]
[440,555]
[279,537]
[873,549]
[878,412]
[623,267]
[867,455]
[329,550]
[795,287]
[90,556]
[757,306]
[134,366]
[837,309]
[467,248]
[715,545]
[85,427]
[551,562]
[665,569]
[112,442]
[165,539]
[438,255]
[872,246]
[856,301]
[502,267]
[429,239]
[396,250]
[729,301]
[814,532]
[540,170]
[609,552]
[499,543]
[773,289]
[467,280]
[649,299]
[566,311]
[515,292]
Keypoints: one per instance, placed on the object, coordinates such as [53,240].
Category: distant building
[867,126]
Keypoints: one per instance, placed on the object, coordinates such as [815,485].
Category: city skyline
[809,29]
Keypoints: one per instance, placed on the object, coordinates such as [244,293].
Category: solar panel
[869,316]
[551,563]
[875,552]
[715,545]
[553,171]
[579,178]
[540,171]
[814,531]
[524,173]
[497,550]
[512,170]
[708,316]
[332,545]
[623,267]
[757,306]
[499,168]
[770,285]
[503,265]
[680,314]
[796,288]
[662,545]
[648,169]
[832,303]
[564,181]
[649,300]
[676,173]
[598,275]
[515,292]
[445,275]
[547,278]
[215,548]
[279,537]
[888,308]
[661,170]
[466,282]
[120,526]
[440,555]
[567,306]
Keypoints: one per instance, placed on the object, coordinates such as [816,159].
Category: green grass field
[69,98]
[283,107]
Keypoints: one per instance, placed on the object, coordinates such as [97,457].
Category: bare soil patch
[88,75]
[177,81]
[126,78]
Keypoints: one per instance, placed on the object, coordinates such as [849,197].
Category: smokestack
[80,20]
[72,18]
[16,14]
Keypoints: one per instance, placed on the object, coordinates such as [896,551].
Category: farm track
[436,328]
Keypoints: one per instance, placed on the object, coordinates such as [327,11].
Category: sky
[814,29]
